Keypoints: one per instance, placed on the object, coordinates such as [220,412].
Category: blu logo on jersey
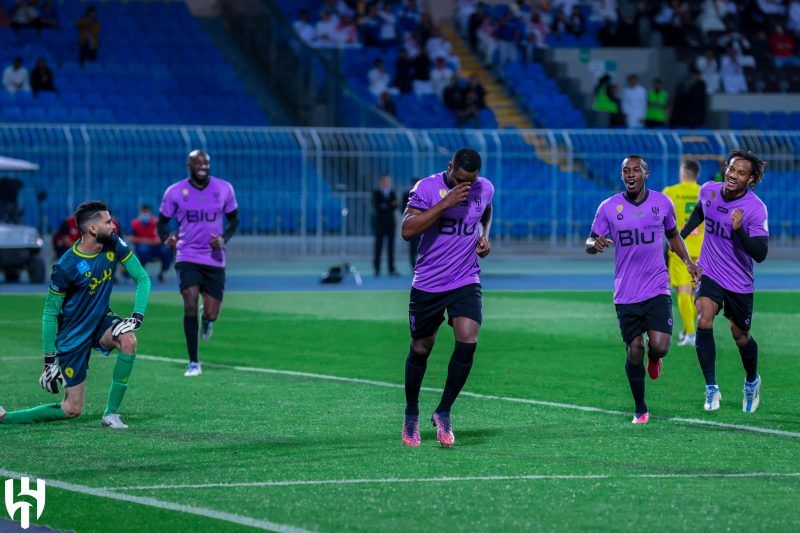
[199,215]
[631,238]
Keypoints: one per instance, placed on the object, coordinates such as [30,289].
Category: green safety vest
[603,103]
[657,106]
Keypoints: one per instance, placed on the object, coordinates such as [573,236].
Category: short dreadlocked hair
[758,165]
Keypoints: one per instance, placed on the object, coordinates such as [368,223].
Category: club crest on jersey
[442,193]
[619,212]
[655,211]
[110,256]
[83,267]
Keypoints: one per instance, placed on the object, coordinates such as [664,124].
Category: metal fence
[307,190]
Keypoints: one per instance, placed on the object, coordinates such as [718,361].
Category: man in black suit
[384,202]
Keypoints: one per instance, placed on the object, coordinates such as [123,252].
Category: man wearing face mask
[636,222]
[148,246]
[77,318]
[200,203]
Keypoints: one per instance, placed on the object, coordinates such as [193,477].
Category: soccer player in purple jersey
[736,233]
[451,212]
[199,202]
[636,222]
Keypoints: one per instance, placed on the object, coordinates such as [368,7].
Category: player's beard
[200,180]
[106,240]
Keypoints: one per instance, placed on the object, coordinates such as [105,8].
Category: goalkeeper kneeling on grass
[77,318]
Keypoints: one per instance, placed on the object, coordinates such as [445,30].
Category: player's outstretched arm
[695,219]
[416,221]
[139,275]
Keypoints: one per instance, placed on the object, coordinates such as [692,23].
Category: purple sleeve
[167,204]
[417,198]
[600,225]
[230,202]
[756,223]
[670,220]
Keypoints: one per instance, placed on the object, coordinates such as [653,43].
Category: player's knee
[705,320]
[659,348]
[210,314]
[422,346]
[740,337]
[128,343]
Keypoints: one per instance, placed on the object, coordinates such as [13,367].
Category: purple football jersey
[200,214]
[447,258]
[722,256]
[637,231]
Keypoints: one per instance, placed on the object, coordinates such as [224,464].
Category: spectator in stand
[422,74]
[772,7]
[378,79]
[326,28]
[25,15]
[782,46]
[628,31]
[535,37]
[634,102]
[388,28]
[794,17]
[410,17]
[16,77]
[732,73]
[146,243]
[470,115]
[708,67]
[507,36]
[440,76]
[475,22]
[437,47]
[346,33]
[487,43]
[603,10]
[88,35]
[560,24]
[403,72]
[49,15]
[42,77]
[304,29]
[695,102]
[5,20]
[737,41]
[563,6]
[386,104]
[453,96]
[370,26]
[607,35]
[575,24]
[478,90]
[711,19]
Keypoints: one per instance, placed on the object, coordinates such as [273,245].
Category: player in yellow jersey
[684,196]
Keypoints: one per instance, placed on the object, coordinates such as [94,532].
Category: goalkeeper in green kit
[77,318]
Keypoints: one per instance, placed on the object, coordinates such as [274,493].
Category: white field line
[526,401]
[530,477]
[544,403]
[160,504]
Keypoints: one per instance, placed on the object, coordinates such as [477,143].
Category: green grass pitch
[239,448]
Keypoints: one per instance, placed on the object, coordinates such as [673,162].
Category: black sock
[457,374]
[190,331]
[707,354]
[636,379]
[416,363]
[749,353]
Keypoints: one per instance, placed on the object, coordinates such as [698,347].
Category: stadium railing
[307,190]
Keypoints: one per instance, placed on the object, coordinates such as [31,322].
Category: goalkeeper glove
[51,375]
[127,325]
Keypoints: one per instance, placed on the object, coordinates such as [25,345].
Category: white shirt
[710,71]
[304,30]
[388,22]
[604,9]
[16,80]
[794,16]
[440,77]
[634,105]
[378,81]
[326,29]
[732,73]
